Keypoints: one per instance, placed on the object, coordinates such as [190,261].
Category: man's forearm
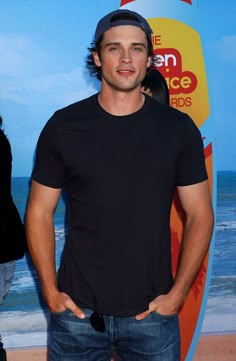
[195,244]
[41,241]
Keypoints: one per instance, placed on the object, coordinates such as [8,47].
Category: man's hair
[95,70]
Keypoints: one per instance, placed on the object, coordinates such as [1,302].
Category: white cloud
[26,79]
[29,77]
[59,88]
[19,55]
[62,87]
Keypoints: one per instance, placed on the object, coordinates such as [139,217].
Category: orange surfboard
[189,314]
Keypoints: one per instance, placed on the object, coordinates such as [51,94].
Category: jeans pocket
[63,312]
[172,315]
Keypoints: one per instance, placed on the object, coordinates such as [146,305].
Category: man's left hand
[164,305]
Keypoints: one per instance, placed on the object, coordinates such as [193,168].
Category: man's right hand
[61,301]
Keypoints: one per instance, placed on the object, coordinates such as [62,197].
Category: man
[119,155]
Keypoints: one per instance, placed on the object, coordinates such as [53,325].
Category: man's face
[123,57]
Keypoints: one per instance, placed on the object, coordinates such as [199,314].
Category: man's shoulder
[71,116]
[167,111]
[77,107]
[168,115]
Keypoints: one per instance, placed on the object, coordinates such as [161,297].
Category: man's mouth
[125,71]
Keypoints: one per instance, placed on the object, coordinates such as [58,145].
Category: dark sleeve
[191,168]
[5,169]
[48,169]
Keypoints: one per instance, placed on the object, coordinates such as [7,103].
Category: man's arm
[197,204]
[41,241]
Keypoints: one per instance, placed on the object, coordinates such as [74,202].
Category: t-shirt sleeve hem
[192,182]
[47,183]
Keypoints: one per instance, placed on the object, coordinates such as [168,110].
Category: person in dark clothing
[7,266]
[154,85]
[120,155]
[12,233]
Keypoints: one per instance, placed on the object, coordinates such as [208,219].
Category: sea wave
[226,225]
[24,329]
[220,322]
[220,314]
[222,286]
[23,320]
[23,282]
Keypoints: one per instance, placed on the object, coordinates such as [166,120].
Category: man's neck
[121,103]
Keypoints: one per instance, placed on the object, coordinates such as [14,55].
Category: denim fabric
[6,276]
[156,338]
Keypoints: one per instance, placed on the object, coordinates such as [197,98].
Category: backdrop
[42,68]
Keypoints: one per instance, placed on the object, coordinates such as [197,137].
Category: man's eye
[137,49]
[113,48]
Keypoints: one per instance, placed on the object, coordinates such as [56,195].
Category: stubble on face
[123,58]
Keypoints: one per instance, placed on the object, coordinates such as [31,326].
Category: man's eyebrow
[112,43]
[139,44]
[133,44]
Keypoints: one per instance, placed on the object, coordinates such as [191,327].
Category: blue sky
[43,45]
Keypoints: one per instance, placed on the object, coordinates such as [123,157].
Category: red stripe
[124,2]
[208,150]
[188,1]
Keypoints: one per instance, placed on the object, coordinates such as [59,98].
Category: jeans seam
[111,328]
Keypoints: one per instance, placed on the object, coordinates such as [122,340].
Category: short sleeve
[48,169]
[191,168]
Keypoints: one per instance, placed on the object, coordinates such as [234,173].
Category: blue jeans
[156,338]
[6,276]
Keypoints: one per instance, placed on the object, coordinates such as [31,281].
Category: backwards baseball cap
[122,17]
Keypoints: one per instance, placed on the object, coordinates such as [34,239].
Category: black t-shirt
[120,173]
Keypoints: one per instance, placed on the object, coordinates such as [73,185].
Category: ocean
[23,316]
[220,315]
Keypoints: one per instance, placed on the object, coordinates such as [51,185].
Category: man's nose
[126,56]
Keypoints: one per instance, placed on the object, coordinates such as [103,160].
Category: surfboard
[178,55]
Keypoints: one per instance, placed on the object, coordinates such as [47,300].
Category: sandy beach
[216,348]
[210,348]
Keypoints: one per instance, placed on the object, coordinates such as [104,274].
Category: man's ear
[96,58]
